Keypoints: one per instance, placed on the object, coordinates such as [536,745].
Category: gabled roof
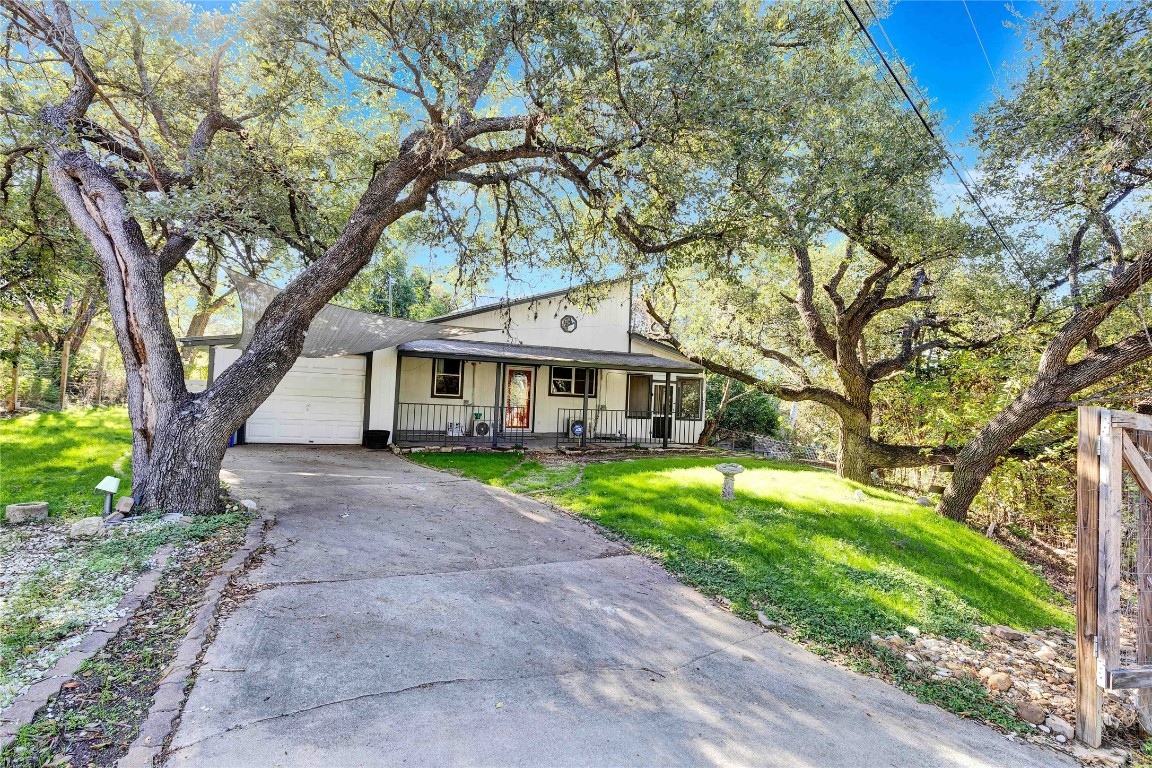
[505,303]
[490,351]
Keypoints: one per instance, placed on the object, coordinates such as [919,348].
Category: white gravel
[56,583]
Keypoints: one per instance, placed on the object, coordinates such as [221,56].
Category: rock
[1006,633]
[1030,713]
[999,681]
[124,506]
[897,642]
[1044,653]
[1059,726]
[114,518]
[924,501]
[767,622]
[1059,737]
[914,631]
[986,672]
[859,495]
[87,528]
[16,514]
[172,517]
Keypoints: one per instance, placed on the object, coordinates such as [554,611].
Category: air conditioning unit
[481,428]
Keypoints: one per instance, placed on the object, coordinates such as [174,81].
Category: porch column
[396,401]
[584,415]
[497,407]
[667,405]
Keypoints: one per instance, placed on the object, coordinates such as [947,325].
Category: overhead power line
[983,50]
[931,132]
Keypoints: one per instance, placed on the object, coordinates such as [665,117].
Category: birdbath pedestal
[729,471]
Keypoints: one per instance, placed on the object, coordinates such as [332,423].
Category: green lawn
[797,545]
[59,457]
[506,470]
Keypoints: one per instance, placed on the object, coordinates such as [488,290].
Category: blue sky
[938,42]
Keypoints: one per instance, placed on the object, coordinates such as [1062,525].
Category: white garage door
[321,401]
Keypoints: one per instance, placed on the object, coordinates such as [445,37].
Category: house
[557,368]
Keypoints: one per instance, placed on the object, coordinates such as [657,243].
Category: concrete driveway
[409,617]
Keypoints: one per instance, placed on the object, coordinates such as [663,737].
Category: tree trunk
[977,459]
[183,468]
[967,479]
[100,375]
[65,352]
[13,399]
[706,433]
[853,456]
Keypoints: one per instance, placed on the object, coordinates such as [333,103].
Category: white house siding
[604,327]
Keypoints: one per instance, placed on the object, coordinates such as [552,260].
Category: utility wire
[927,127]
[972,21]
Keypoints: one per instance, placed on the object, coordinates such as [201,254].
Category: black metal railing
[459,424]
[624,428]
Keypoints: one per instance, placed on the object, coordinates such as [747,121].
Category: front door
[518,399]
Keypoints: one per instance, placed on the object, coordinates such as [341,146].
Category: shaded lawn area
[506,470]
[59,457]
[795,543]
[798,544]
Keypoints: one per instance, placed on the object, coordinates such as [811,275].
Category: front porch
[478,394]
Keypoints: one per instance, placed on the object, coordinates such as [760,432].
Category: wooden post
[667,406]
[1110,514]
[13,399]
[1144,588]
[1089,724]
[100,376]
[64,353]
[584,410]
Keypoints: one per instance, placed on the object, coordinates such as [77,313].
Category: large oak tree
[322,125]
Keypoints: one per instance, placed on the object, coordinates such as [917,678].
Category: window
[447,378]
[569,382]
[690,399]
[639,405]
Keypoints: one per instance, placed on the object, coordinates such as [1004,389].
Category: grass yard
[798,545]
[506,470]
[59,457]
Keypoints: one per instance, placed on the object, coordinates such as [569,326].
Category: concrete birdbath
[729,471]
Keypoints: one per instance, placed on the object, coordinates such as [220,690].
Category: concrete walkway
[409,617]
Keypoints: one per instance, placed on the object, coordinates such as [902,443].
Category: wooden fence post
[1144,585]
[1110,515]
[1089,725]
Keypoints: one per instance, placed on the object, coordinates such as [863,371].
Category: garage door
[320,401]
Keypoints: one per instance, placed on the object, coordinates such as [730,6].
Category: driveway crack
[421,686]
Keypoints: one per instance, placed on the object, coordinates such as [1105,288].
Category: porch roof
[489,351]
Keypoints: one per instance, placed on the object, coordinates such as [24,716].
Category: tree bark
[65,354]
[100,376]
[13,399]
[853,454]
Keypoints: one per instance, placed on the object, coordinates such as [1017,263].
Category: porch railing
[459,424]
[625,428]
